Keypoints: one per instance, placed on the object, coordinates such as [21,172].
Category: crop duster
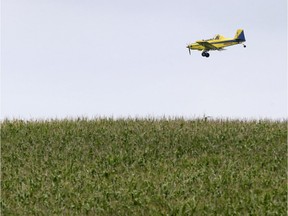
[219,42]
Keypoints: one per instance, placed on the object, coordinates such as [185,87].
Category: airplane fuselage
[218,44]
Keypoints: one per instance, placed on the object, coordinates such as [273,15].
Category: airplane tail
[240,35]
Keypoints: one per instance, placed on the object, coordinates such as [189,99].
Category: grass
[143,167]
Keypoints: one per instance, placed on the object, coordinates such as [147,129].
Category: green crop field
[143,167]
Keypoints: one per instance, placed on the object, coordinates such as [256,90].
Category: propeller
[189,49]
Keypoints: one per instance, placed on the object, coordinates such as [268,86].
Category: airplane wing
[207,45]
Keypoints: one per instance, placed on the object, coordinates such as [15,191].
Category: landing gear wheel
[205,54]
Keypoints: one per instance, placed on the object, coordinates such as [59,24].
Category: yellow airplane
[217,43]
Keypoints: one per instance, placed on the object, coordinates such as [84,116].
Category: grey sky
[70,58]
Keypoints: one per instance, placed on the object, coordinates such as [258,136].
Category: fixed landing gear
[205,54]
[244,45]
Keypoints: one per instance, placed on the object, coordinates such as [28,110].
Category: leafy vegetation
[143,167]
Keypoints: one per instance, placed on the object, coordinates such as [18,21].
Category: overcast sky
[87,58]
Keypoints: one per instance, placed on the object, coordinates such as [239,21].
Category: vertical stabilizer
[240,35]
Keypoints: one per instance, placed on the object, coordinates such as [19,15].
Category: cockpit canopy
[217,37]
